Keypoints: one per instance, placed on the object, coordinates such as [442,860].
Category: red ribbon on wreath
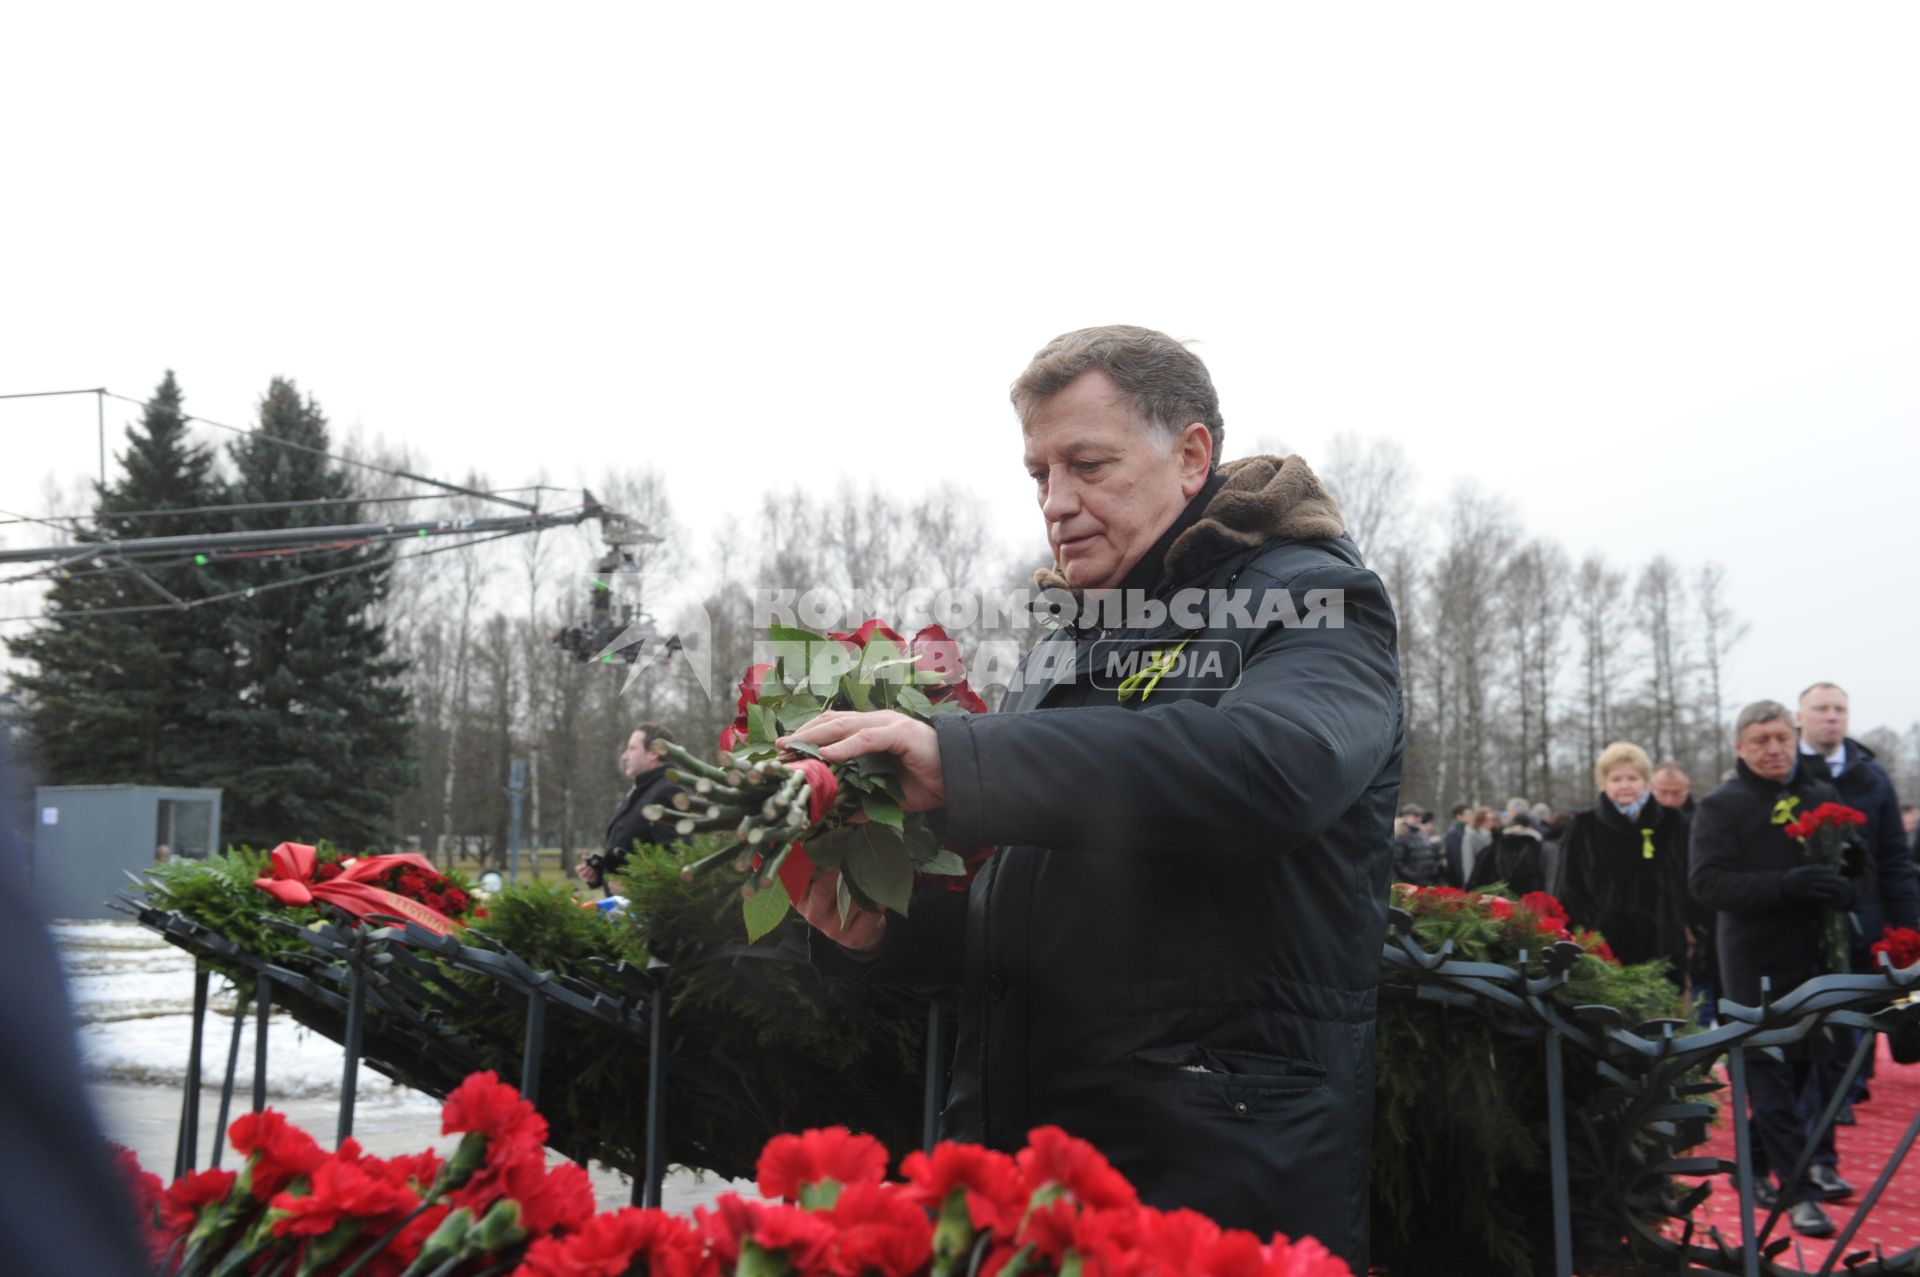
[293,884]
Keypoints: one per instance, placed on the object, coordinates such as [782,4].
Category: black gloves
[1816,884]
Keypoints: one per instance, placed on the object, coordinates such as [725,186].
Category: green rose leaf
[881,807]
[944,862]
[798,710]
[761,727]
[874,858]
[913,701]
[792,634]
[859,695]
[765,908]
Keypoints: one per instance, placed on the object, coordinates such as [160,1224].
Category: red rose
[790,1163]
[1500,908]
[283,1150]
[732,738]
[858,640]
[940,655]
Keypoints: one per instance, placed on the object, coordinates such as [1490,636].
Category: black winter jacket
[1418,859]
[630,826]
[1515,859]
[1740,853]
[1627,879]
[1891,896]
[1175,952]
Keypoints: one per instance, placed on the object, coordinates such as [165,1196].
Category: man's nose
[1062,500]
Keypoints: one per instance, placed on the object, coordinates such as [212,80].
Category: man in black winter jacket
[1773,902]
[1175,952]
[1417,858]
[1890,896]
[639,764]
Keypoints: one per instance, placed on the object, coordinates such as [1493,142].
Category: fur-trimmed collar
[1261,499]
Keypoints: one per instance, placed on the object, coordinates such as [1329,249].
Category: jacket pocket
[1240,1083]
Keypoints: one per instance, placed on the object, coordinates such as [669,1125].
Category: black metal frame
[357,977]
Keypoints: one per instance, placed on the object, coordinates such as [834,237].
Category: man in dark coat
[1890,898]
[1416,857]
[1452,846]
[1515,858]
[639,764]
[1175,952]
[1773,903]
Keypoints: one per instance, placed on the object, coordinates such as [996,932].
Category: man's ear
[1196,458]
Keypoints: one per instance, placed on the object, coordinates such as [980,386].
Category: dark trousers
[1774,1092]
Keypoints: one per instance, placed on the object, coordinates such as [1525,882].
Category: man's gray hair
[1761,712]
[1165,382]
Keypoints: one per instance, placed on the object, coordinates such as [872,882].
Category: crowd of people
[1721,892]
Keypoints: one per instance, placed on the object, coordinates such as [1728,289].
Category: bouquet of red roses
[793,815]
[1823,832]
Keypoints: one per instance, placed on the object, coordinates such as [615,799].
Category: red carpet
[1894,1223]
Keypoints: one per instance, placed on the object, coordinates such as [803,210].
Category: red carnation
[484,1105]
[1901,945]
[1303,1258]
[342,1189]
[1054,1158]
[648,1241]
[193,1192]
[146,1191]
[1500,908]
[790,1163]
[882,1231]
[284,1151]
[1594,943]
[803,1236]
[556,1200]
[994,1195]
[1551,913]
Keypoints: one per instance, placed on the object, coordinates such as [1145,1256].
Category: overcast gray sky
[1649,270]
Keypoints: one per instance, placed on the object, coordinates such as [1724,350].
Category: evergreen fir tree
[119,696]
[313,730]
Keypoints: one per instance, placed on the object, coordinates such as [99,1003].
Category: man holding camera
[639,764]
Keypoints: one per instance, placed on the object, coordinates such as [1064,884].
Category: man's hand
[842,734]
[1819,884]
[821,908]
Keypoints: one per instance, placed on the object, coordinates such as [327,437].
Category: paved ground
[133,1001]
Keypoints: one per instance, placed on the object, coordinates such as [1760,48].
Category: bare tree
[1372,480]
[1659,604]
[1596,604]
[1719,633]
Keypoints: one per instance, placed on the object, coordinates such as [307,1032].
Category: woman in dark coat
[1625,865]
